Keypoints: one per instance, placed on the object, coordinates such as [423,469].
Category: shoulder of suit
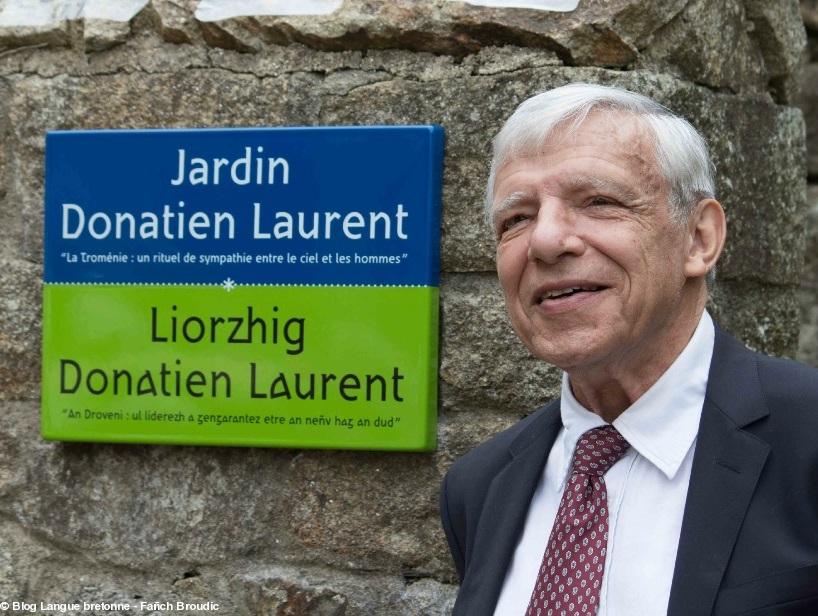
[788,383]
[789,389]
[790,394]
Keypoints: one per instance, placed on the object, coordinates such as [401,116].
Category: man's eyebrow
[579,183]
[509,202]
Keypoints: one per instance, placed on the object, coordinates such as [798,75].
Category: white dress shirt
[647,489]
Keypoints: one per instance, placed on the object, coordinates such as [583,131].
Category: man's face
[588,257]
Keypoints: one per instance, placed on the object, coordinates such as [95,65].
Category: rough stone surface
[20,302]
[736,44]
[52,35]
[287,532]
[30,114]
[101,34]
[809,13]
[174,20]
[475,331]
[757,315]
[699,53]
[367,510]
[808,292]
[778,31]
[9,218]
[763,200]
[20,554]
[141,507]
[808,103]
[291,592]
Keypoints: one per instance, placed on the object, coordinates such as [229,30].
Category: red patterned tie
[570,576]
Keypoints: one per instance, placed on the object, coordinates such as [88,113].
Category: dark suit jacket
[749,539]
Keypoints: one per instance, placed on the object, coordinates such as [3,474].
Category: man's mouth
[568,291]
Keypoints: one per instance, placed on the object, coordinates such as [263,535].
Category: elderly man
[678,472]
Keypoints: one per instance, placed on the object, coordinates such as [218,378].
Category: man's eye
[600,200]
[512,221]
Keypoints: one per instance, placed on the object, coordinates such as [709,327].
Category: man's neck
[610,389]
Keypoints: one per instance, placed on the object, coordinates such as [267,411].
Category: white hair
[681,152]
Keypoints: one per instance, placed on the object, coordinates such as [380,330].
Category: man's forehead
[581,182]
[623,136]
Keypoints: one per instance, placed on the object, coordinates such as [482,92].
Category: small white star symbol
[228,284]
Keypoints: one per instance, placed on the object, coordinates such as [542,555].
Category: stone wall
[808,102]
[287,532]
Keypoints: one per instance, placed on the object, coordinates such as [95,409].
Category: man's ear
[707,230]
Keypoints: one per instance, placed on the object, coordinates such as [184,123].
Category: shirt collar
[662,424]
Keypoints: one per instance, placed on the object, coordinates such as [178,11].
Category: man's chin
[569,356]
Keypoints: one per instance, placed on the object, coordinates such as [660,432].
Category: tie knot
[598,450]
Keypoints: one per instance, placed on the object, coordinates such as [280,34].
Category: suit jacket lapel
[726,466]
[504,513]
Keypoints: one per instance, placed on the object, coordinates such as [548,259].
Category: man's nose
[555,233]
